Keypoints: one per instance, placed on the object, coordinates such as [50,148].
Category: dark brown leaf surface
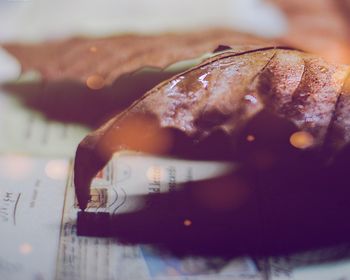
[224,94]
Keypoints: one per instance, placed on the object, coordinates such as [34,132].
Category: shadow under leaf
[73,102]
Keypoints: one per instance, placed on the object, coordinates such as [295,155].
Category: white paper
[38,212]
[31,206]
[25,131]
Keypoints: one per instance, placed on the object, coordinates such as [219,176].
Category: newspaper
[38,212]
[25,131]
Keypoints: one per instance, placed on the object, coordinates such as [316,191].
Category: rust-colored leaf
[224,94]
[319,26]
[86,59]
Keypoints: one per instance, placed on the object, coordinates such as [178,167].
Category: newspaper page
[29,132]
[38,212]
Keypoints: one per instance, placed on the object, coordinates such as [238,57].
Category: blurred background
[33,20]
[320,26]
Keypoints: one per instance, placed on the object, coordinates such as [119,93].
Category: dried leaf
[108,58]
[224,94]
[319,26]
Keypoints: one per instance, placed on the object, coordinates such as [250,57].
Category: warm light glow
[17,167]
[56,169]
[301,140]
[25,248]
[223,193]
[95,82]
[93,49]
[250,138]
[336,51]
[137,133]
[187,222]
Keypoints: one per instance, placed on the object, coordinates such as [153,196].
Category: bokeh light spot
[223,193]
[17,167]
[95,82]
[187,223]
[301,140]
[25,248]
[56,169]
[93,49]
[137,133]
[250,138]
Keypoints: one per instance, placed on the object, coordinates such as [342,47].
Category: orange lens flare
[93,49]
[137,133]
[222,194]
[301,140]
[95,82]
[25,248]
[250,138]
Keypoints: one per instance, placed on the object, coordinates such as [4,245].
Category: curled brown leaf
[224,94]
